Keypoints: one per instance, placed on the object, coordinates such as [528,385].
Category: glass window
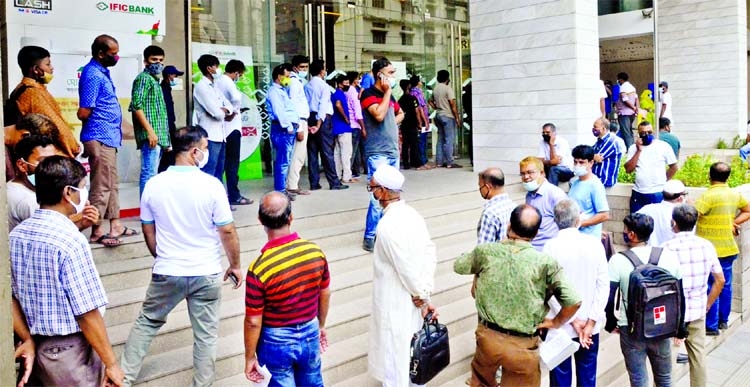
[378,3]
[407,39]
[378,37]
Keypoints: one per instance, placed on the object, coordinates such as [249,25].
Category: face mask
[202,163]
[545,137]
[580,170]
[483,195]
[647,139]
[393,82]
[373,199]
[285,82]
[84,194]
[32,180]
[154,68]
[46,78]
[236,79]
[625,238]
[173,83]
[110,60]
[596,132]
[531,186]
[217,72]
[302,74]
[346,88]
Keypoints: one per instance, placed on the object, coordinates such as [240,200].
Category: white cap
[674,187]
[389,177]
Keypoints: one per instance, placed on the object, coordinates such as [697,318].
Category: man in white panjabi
[403,279]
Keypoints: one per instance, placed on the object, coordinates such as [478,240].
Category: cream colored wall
[641,72]
[174,47]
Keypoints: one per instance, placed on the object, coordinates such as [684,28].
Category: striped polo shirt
[284,283]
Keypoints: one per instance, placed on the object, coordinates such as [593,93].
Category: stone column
[532,63]
[7,365]
[703,56]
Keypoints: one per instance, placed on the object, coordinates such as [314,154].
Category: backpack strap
[632,258]
[653,258]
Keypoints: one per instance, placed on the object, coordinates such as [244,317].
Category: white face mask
[202,163]
[302,74]
[531,186]
[84,195]
[580,170]
[32,180]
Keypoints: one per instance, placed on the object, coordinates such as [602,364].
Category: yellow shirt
[717,208]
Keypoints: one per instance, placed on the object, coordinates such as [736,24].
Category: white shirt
[584,263]
[403,266]
[562,149]
[21,204]
[666,99]
[207,112]
[650,172]
[229,91]
[662,215]
[318,95]
[297,95]
[186,205]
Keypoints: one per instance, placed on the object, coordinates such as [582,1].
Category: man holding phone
[188,254]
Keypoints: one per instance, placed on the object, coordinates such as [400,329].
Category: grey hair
[566,213]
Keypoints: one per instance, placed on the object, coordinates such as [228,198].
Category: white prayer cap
[674,187]
[389,177]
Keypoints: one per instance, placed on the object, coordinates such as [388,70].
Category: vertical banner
[251,167]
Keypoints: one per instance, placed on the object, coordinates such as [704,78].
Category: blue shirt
[493,225]
[592,199]
[367,81]
[318,95]
[339,122]
[280,107]
[544,199]
[96,91]
[609,168]
[53,275]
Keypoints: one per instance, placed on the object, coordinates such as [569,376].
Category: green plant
[738,142]
[721,144]
[623,176]
[694,172]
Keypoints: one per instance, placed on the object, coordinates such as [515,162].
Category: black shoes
[710,332]
[339,187]
[368,244]
[723,326]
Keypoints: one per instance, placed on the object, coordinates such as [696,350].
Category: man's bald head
[275,210]
[493,176]
[719,172]
[525,221]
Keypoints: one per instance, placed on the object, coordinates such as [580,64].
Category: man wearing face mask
[588,191]
[300,67]
[342,130]
[32,95]
[168,81]
[627,108]
[187,263]
[284,125]
[209,112]
[607,158]
[27,154]
[150,124]
[101,135]
[447,119]
[649,158]
[61,293]
[666,101]
[493,224]
[543,196]
[554,151]
[674,194]
[382,115]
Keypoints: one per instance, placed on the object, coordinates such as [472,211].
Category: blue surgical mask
[32,179]
[647,139]
[625,238]
[531,186]
[154,68]
[302,74]
[173,83]
[394,82]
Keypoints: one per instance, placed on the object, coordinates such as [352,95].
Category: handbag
[430,351]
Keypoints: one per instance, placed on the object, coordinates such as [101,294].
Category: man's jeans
[636,350]
[149,163]
[232,165]
[283,146]
[719,312]
[446,138]
[626,129]
[215,165]
[423,147]
[292,354]
[562,375]
[638,200]
[375,212]
[558,173]
[203,295]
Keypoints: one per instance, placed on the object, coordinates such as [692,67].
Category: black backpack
[11,114]
[655,307]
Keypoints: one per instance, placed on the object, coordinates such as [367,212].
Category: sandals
[242,201]
[106,240]
[127,232]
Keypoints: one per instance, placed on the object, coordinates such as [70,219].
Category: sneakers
[339,187]
[710,332]
[368,244]
[723,326]
[682,358]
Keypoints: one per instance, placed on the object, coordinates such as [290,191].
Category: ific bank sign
[136,9]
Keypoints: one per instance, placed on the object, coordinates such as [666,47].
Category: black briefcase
[430,352]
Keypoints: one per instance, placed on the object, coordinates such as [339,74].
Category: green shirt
[515,282]
[147,96]
[672,140]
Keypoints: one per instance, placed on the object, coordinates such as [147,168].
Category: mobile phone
[234,279]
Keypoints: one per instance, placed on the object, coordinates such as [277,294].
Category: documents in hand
[266,377]
[556,348]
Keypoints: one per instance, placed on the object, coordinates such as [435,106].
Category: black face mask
[346,88]
[110,60]
[545,137]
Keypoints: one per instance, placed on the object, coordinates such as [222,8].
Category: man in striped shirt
[607,158]
[286,302]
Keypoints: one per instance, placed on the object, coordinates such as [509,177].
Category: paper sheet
[266,377]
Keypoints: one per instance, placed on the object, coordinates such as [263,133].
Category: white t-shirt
[666,99]
[186,205]
[562,149]
[662,215]
[650,172]
[21,204]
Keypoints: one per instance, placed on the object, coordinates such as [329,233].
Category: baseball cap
[172,70]
[664,83]
[674,187]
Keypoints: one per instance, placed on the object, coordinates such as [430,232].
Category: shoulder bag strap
[655,255]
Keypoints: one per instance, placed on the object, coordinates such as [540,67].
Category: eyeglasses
[371,188]
[32,164]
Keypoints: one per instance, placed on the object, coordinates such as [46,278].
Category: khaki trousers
[342,156]
[299,156]
[696,349]
[519,357]
[105,184]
